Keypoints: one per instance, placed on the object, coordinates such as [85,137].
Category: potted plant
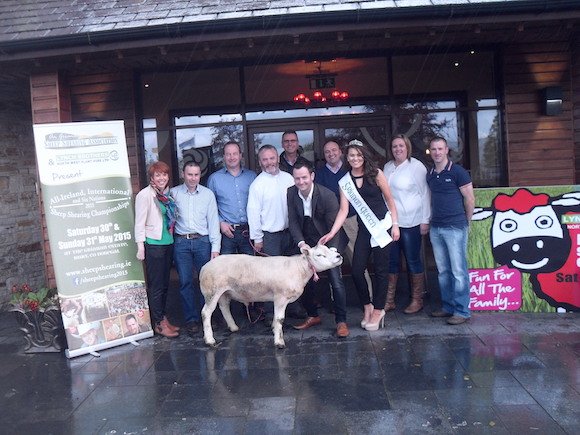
[38,316]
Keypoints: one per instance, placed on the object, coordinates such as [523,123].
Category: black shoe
[440,313]
[457,320]
[296,314]
[295,311]
[192,328]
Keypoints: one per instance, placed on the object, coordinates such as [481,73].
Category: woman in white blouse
[406,177]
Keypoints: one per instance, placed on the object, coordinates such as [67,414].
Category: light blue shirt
[197,213]
[231,194]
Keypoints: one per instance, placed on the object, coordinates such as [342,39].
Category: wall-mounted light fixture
[552,100]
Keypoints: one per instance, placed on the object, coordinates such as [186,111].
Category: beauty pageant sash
[377,228]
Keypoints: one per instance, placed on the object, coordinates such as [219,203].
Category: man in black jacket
[292,152]
[312,210]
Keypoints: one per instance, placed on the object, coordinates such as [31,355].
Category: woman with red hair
[154,222]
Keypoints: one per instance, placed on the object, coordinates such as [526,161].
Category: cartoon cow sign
[527,234]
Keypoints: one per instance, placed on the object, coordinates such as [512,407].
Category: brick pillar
[50,102]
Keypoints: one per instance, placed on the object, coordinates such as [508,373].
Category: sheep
[246,279]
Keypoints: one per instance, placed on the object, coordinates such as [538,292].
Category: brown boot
[391,288]
[417,290]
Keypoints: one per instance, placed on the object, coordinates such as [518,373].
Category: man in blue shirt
[230,186]
[197,239]
[452,204]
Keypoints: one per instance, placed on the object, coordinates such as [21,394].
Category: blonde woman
[407,179]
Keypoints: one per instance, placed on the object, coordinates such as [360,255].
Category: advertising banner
[524,249]
[86,190]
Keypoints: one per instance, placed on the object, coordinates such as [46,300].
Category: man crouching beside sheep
[246,279]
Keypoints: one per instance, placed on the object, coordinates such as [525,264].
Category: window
[451,95]
[203,144]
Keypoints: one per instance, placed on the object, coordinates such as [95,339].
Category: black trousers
[158,259]
[362,253]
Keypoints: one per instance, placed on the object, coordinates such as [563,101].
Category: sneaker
[440,313]
[457,320]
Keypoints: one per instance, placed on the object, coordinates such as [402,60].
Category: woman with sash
[365,187]
[154,222]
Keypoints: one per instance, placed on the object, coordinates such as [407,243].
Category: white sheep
[246,279]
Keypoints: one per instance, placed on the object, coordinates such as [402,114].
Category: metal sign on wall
[524,249]
[86,190]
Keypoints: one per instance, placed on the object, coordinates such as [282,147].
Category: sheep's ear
[305,250]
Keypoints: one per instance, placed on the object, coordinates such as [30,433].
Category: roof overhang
[305,20]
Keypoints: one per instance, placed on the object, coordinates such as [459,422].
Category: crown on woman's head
[356,142]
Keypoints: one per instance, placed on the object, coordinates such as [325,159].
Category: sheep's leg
[279,313]
[224,303]
[206,312]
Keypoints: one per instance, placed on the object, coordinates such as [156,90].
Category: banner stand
[88,204]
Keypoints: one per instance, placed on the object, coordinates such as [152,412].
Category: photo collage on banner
[88,203]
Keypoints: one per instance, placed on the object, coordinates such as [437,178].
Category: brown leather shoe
[309,322]
[161,330]
[342,330]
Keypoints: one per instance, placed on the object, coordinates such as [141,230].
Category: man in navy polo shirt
[452,204]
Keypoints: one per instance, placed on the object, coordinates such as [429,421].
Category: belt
[240,226]
[276,232]
[190,236]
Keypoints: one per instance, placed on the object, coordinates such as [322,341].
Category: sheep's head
[322,258]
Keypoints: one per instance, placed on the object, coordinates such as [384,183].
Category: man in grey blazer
[312,210]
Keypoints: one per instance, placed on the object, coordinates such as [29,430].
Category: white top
[267,204]
[408,185]
[307,202]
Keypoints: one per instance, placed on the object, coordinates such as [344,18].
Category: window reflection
[305,138]
[207,119]
[306,112]
[204,145]
[487,171]
[375,137]
[421,127]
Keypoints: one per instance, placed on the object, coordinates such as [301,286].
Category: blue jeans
[410,244]
[239,244]
[277,243]
[450,252]
[190,254]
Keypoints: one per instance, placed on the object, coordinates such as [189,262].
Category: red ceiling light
[324,89]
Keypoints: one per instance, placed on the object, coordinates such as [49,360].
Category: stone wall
[21,257]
